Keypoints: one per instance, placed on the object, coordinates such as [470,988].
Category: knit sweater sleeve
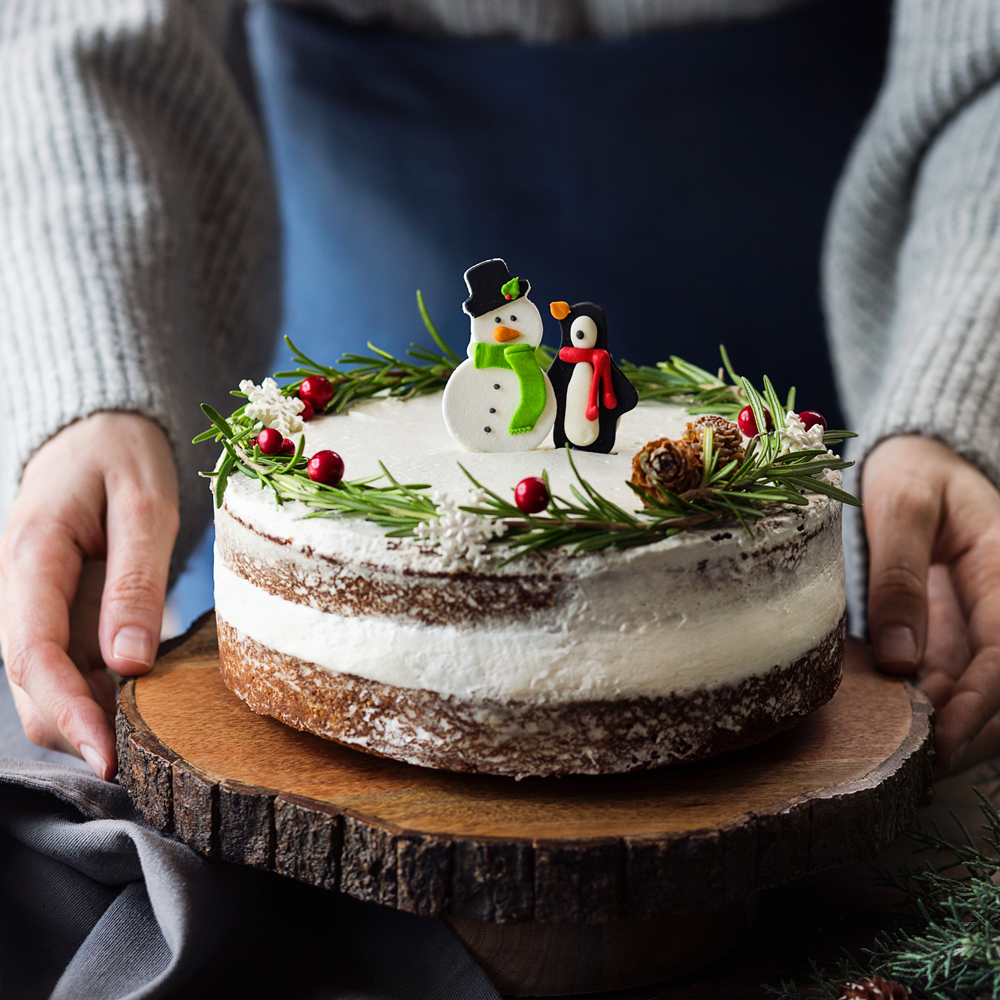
[138,263]
[912,261]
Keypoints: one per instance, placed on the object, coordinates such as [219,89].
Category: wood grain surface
[586,850]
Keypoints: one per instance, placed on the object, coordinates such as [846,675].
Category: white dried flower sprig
[267,405]
[795,436]
[461,537]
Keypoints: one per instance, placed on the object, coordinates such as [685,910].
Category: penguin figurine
[591,391]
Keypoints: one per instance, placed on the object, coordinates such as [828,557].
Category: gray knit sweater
[138,230]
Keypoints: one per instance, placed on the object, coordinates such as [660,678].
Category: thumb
[902,512]
[141,528]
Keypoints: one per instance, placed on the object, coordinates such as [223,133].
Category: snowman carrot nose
[505,333]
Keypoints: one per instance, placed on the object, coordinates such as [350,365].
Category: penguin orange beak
[505,333]
[559,309]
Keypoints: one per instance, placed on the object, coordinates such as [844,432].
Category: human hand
[104,488]
[933,526]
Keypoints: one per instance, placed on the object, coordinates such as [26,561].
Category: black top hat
[491,287]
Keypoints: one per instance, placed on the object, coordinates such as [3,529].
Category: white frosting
[702,607]
[581,656]
[410,439]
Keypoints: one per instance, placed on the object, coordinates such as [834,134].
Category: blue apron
[681,180]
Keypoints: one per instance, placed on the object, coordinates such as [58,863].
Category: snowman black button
[496,385]
[487,429]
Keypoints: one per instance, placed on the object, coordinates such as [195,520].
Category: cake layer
[519,738]
[643,622]
[707,606]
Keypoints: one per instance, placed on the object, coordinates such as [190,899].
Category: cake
[557,662]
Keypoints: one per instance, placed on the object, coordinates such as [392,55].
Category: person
[139,277]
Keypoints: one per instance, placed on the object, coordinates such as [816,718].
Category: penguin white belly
[578,429]
[479,404]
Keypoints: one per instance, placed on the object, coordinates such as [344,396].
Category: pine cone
[727,442]
[876,988]
[666,464]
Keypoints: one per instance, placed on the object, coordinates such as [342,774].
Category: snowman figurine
[500,399]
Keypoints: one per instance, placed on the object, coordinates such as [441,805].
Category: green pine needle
[951,950]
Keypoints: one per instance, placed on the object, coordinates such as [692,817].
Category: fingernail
[896,644]
[97,763]
[133,643]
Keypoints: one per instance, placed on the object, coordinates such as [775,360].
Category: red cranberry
[287,446]
[326,467]
[269,441]
[531,495]
[748,425]
[810,418]
[317,391]
[308,410]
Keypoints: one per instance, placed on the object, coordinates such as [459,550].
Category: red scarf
[601,361]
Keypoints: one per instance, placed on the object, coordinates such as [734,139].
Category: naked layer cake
[555,663]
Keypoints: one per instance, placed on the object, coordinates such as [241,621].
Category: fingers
[967,716]
[103,487]
[925,504]
[142,526]
[983,746]
[42,565]
[947,653]
[902,512]
[37,728]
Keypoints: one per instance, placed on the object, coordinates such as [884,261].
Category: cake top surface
[410,438]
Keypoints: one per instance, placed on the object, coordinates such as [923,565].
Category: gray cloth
[95,905]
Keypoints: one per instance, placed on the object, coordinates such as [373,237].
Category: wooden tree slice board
[592,851]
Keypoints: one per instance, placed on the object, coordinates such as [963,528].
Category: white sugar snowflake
[267,405]
[461,537]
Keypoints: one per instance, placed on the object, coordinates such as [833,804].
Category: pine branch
[953,950]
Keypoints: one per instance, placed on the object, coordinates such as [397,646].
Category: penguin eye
[584,329]
[513,318]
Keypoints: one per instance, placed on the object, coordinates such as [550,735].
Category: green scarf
[520,358]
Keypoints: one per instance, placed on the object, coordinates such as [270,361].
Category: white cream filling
[577,658]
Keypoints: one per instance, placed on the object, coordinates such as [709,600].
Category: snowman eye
[497,319]
[513,318]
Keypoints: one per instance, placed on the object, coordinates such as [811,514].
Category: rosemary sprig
[680,381]
[358,377]
[589,522]
[586,522]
